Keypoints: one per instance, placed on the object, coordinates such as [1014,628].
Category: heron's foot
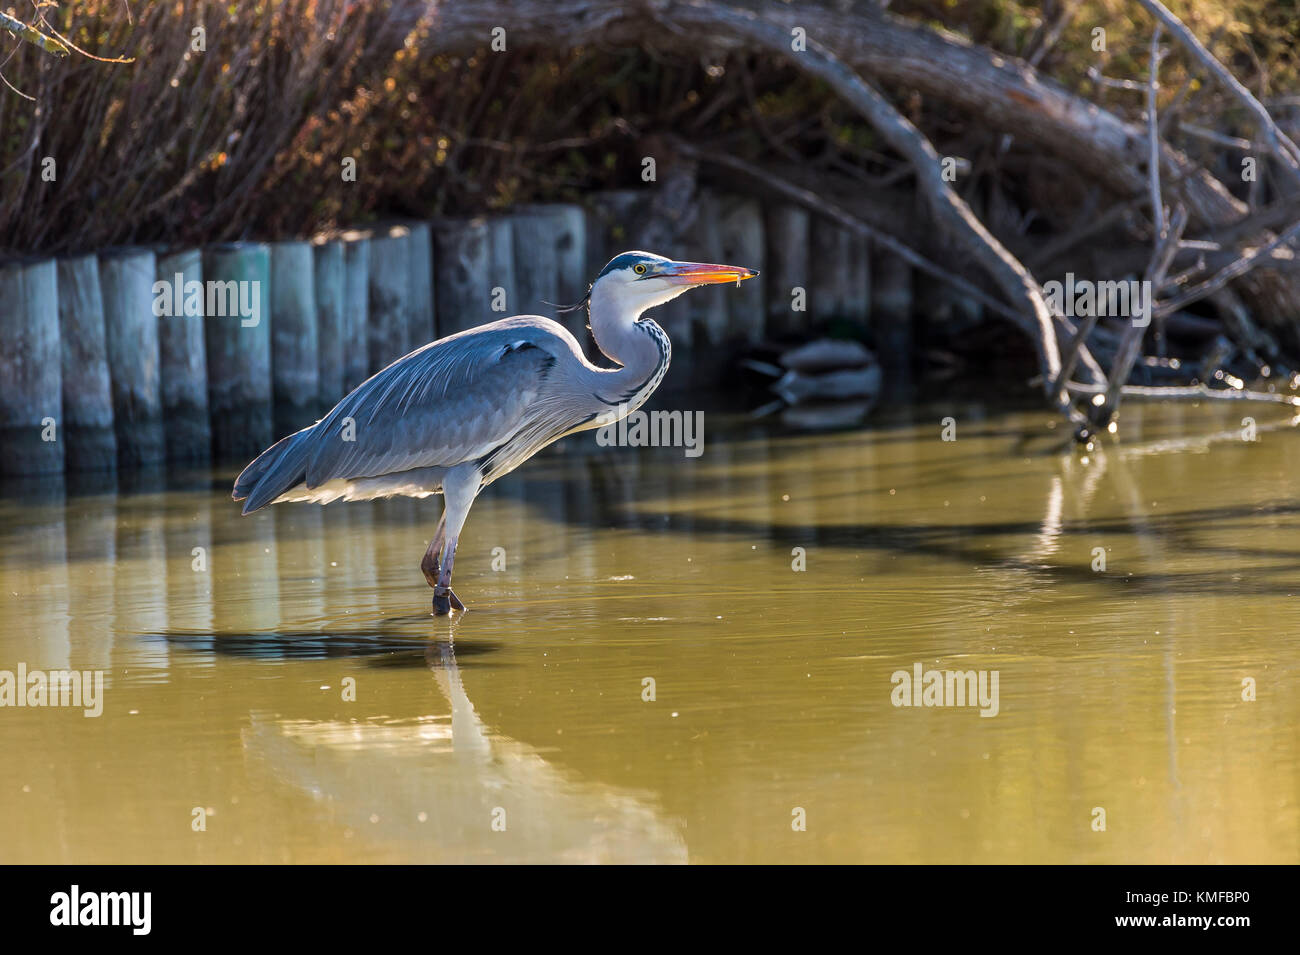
[445,601]
[429,566]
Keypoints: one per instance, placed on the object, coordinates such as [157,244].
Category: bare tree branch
[1280,143]
[1153,138]
[1227,274]
[32,35]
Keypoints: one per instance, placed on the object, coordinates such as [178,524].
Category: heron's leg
[429,563]
[459,488]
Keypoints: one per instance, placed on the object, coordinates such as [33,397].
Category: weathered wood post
[388,337]
[237,334]
[787,229]
[708,305]
[552,237]
[570,224]
[840,286]
[89,441]
[329,284]
[126,280]
[891,318]
[462,249]
[183,356]
[356,309]
[741,235]
[537,264]
[502,285]
[295,373]
[31,416]
[423,317]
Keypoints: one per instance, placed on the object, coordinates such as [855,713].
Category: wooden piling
[570,224]
[238,277]
[537,269]
[554,238]
[183,357]
[87,427]
[329,283]
[503,295]
[126,281]
[462,251]
[356,309]
[423,326]
[708,305]
[787,230]
[295,372]
[31,416]
[891,318]
[840,267]
[741,240]
[388,331]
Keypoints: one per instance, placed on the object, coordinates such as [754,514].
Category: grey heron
[458,413]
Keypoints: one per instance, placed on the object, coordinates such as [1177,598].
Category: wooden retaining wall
[183,363]
[137,356]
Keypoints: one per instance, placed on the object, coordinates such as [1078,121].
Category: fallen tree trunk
[1006,93]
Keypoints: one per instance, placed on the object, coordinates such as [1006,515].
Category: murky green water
[519,732]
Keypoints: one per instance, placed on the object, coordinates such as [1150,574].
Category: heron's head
[636,281]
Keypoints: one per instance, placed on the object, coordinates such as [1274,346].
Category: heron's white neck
[640,346]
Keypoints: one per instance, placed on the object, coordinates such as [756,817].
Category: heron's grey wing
[451,401]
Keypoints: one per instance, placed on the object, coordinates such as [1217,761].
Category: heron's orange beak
[702,273]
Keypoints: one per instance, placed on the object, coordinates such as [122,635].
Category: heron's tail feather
[278,468]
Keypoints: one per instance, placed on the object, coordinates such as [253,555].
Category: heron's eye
[639,269]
